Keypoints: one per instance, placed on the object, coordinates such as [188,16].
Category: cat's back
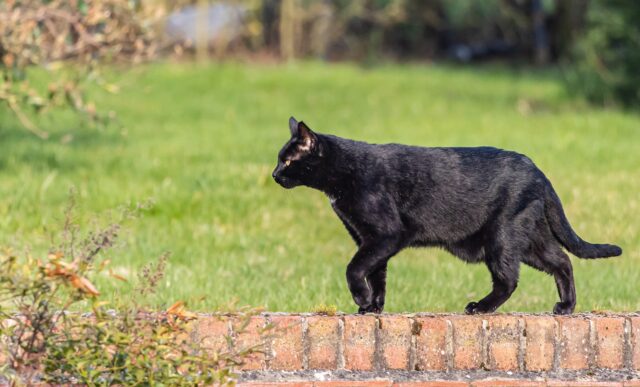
[463,159]
[407,160]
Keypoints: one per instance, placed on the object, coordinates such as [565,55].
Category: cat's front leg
[364,277]
[378,282]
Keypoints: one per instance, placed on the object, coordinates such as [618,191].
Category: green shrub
[46,337]
[606,62]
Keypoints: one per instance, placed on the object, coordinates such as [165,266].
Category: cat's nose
[276,172]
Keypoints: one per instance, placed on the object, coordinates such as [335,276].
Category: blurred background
[177,108]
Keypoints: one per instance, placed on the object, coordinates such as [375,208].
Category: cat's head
[299,158]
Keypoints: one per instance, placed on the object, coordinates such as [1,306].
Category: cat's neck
[337,176]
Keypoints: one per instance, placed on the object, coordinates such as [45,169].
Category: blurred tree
[269,18]
[540,35]
[606,62]
[568,24]
[420,31]
[290,20]
[69,38]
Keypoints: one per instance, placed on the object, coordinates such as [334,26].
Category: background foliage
[607,59]
[46,337]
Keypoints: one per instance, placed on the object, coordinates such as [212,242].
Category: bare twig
[30,126]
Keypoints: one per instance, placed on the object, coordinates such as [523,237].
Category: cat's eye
[287,163]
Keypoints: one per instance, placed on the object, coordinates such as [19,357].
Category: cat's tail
[565,234]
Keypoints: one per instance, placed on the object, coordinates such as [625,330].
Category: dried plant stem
[26,122]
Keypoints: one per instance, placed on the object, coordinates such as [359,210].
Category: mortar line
[412,345]
[449,357]
[378,360]
[556,345]
[268,343]
[306,345]
[594,349]
[627,349]
[340,350]
[484,346]
[522,344]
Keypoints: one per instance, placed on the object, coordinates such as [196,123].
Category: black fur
[481,204]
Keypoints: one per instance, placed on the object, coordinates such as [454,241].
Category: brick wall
[501,342]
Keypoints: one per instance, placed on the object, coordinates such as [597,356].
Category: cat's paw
[472,308]
[479,307]
[370,309]
[563,308]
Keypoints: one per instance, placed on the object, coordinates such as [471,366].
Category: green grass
[201,141]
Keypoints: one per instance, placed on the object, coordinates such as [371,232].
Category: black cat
[480,204]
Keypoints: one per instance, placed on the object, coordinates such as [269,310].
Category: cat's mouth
[286,182]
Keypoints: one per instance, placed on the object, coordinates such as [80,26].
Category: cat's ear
[293,127]
[306,138]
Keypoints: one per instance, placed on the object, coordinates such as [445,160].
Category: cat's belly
[469,248]
[468,253]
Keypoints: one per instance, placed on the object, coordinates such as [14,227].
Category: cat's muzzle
[284,181]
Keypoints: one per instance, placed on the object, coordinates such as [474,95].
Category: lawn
[200,141]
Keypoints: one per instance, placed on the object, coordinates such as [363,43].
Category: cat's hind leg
[558,263]
[566,289]
[550,258]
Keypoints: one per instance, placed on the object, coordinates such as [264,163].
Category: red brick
[431,344]
[581,383]
[503,343]
[508,383]
[359,342]
[286,345]
[433,383]
[467,342]
[635,342]
[395,341]
[573,343]
[353,383]
[273,384]
[323,338]
[212,333]
[540,332]
[250,336]
[609,342]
